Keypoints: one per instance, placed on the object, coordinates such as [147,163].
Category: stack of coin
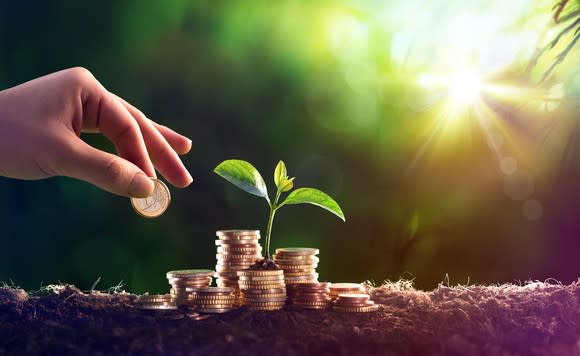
[309,295]
[213,299]
[299,264]
[355,303]
[184,281]
[262,289]
[156,302]
[345,288]
[237,250]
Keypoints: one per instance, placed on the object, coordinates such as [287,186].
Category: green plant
[245,176]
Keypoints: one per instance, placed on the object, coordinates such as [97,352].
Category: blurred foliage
[331,88]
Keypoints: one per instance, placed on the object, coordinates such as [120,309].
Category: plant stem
[273,208]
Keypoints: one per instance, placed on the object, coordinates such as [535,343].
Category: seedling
[245,176]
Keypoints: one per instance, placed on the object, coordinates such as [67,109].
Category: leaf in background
[287,185]
[244,176]
[280,175]
[314,197]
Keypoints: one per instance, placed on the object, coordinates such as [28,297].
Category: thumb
[107,171]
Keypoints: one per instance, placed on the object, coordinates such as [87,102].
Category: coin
[364,309]
[237,243]
[157,306]
[262,278]
[263,272]
[212,310]
[184,273]
[265,291]
[213,290]
[294,260]
[237,232]
[338,286]
[155,204]
[297,251]
[154,298]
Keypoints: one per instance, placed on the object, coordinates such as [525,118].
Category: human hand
[40,126]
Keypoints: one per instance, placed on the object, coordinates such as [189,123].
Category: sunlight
[464,87]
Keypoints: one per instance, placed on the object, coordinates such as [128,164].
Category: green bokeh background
[252,80]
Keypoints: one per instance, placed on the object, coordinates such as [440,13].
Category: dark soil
[534,319]
[264,264]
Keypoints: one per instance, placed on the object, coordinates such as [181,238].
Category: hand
[40,126]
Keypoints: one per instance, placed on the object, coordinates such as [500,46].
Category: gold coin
[155,204]
[157,306]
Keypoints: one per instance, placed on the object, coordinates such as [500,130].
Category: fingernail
[141,186]
[189,178]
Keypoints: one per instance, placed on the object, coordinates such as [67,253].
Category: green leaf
[280,175]
[287,185]
[244,176]
[314,197]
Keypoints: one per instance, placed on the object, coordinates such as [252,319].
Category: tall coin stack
[345,288]
[213,299]
[299,264]
[309,296]
[355,303]
[236,250]
[262,289]
[184,281]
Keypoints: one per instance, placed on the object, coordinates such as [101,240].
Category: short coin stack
[213,299]
[262,289]
[345,288]
[309,295]
[355,303]
[184,281]
[156,302]
[299,264]
[236,250]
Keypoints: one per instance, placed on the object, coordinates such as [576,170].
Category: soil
[532,319]
[264,264]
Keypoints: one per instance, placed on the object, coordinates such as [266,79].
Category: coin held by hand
[155,204]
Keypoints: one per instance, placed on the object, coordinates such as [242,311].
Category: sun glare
[464,87]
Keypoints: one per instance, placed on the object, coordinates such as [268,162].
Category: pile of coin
[236,250]
[183,282]
[309,295]
[345,288]
[299,264]
[156,302]
[213,299]
[262,289]
[355,303]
